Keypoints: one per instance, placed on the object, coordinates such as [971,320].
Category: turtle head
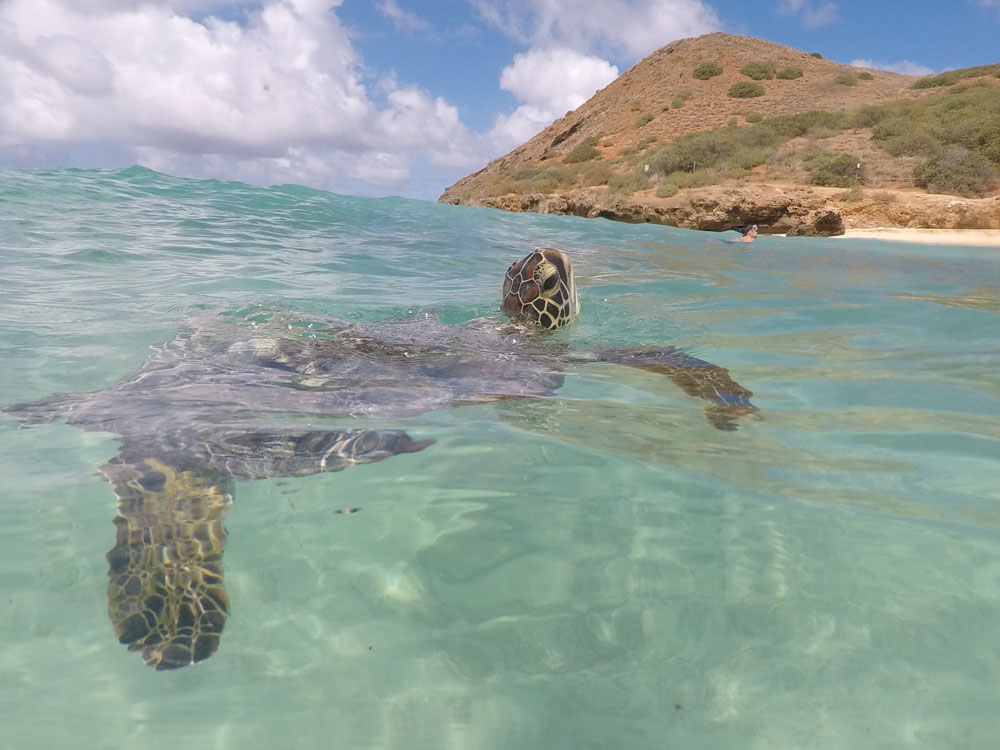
[540,290]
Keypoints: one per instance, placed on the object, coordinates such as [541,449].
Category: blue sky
[379,97]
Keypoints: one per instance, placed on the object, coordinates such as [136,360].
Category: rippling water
[599,568]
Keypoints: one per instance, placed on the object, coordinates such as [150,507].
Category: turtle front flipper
[166,595]
[728,399]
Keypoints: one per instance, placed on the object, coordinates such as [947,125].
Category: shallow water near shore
[599,568]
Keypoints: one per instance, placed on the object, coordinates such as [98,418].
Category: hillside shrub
[942,79]
[794,126]
[951,77]
[912,142]
[865,76]
[594,173]
[754,117]
[991,143]
[738,147]
[957,170]
[707,69]
[666,190]
[833,169]
[681,99]
[583,151]
[925,128]
[745,90]
[846,79]
[817,55]
[550,179]
[698,178]
[866,117]
[628,183]
[750,157]
[790,73]
[759,70]
[644,120]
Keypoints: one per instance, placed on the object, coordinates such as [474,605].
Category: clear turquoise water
[597,569]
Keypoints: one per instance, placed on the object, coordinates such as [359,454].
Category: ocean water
[599,568]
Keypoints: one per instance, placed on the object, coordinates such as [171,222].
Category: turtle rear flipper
[166,593]
[728,399]
[166,596]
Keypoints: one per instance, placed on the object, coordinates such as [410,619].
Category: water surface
[600,568]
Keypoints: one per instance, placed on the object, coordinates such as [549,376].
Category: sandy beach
[988,237]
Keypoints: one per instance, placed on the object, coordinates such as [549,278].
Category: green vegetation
[742,148]
[932,128]
[957,169]
[628,183]
[951,77]
[540,180]
[707,69]
[644,120]
[955,137]
[805,123]
[759,70]
[953,140]
[865,76]
[583,151]
[594,173]
[790,73]
[846,79]
[666,190]
[817,55]
[681,98]
[525,174]
[745,90]
[833,169]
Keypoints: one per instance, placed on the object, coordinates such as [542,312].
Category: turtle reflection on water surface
[198,416]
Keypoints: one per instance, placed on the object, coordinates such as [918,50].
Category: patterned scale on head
[540,289]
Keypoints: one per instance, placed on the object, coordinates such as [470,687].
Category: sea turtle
[200,414]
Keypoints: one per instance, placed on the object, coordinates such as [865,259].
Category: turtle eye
[550,283]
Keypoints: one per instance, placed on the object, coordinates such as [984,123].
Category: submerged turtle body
[200,414]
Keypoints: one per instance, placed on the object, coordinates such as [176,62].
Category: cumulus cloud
[548,82]
[905,67]
[812,14]
[630,29]
[280,94]
[561,78]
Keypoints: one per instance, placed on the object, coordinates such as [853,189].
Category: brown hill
[660,99]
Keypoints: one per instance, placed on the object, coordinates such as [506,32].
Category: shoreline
[962,237]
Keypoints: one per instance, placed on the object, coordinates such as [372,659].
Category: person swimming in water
[749,233]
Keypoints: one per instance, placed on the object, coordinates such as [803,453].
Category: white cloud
[403,19]
[628,28]
[906,67]
[812,14]
[279,98]
[560,79]
[549,83]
